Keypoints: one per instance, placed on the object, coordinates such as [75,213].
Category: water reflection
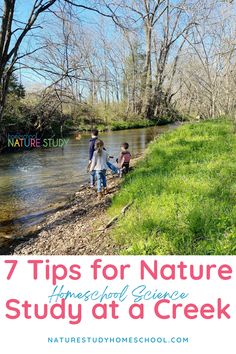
[35,183]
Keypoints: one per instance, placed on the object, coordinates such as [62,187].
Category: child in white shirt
[99,165]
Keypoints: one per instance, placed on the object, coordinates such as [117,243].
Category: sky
[22,11]
[23,8]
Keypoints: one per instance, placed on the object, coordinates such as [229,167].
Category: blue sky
[22,12]
[23,9]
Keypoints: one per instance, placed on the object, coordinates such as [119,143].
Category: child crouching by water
[124,159]
[99,165]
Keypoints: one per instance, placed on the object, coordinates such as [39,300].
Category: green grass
[184,193]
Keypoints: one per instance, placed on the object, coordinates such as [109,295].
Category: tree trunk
[147,76]
[5,38]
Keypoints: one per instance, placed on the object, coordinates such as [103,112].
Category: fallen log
[115,218]
[124,210]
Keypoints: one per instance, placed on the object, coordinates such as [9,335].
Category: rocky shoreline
[79,228]
[76,229]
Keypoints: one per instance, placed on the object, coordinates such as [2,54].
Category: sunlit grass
[184,194]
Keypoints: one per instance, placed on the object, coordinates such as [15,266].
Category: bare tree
[11,39]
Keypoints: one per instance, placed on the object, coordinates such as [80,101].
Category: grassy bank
[184,194]
[122,124]
[117,125]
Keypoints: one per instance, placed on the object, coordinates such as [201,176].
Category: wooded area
[115,63]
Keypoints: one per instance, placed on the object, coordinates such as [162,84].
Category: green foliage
[129,124]
[43,113]
[25,115]
[15,111]
[15,87]
[15,114]
[184,194]
[112,117]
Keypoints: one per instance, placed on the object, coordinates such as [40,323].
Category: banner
[76,304]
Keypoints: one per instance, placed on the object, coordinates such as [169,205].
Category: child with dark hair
[94,137]
[92,141]
[99,166]
[124,159]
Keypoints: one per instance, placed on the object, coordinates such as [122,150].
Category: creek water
[35,183]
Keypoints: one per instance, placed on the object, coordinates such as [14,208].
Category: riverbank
[137,123]
[180,199]
[24,142]
[183,194]
[34,184]
[81,227]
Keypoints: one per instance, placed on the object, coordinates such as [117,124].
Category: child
[99,166]
[92,141]
[112,167]
[124,159]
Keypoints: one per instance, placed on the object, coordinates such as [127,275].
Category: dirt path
[77,229]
